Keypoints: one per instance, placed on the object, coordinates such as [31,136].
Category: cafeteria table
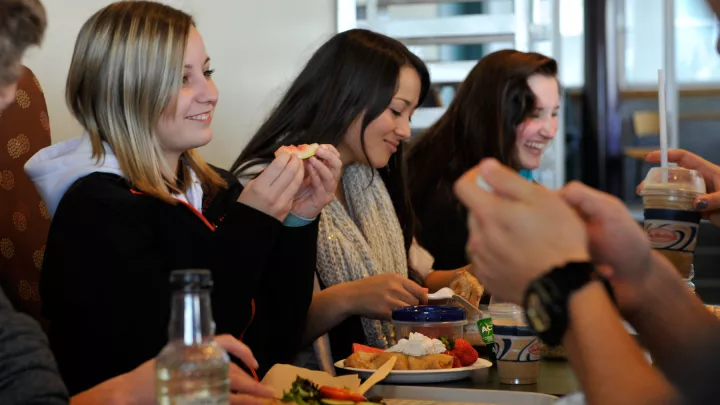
[555,378]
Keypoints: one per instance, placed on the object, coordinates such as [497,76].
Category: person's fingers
[399,293]
[418,292]
[476,195]
[315,182]
[475,243]
[331,149]
[639,188]
[682,157]
[242,383]
[476,270]
[237,349]
[475,240]
[588,202]
[709,202]
[293,167]
[687,160]
[273,170]
[292,186]
[394,303]
[506,182]
[330,158]
[327,153]
[323,175]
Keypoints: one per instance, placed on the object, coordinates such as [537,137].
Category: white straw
[663,125]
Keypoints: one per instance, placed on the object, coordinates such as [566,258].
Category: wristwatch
[546,299]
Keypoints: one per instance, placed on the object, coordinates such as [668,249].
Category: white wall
[256,47]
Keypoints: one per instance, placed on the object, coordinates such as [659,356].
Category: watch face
[536,313]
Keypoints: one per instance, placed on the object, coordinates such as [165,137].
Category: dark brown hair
[22,24]
[481,121]
[354,72]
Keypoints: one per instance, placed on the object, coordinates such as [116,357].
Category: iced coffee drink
[671,221]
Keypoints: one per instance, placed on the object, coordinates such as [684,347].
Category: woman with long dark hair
[357,92]
[507,108]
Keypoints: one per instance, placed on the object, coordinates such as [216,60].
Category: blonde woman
[131,201]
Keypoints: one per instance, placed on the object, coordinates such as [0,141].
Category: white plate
[421,376]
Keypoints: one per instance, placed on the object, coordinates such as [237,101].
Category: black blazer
[109,255]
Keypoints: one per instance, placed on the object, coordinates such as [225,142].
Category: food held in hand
[304,392]
[468,287]
[302,151]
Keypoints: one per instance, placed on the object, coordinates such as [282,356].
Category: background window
[696,30]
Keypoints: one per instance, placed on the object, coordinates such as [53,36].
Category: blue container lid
[428,313]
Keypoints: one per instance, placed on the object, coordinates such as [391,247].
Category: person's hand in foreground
[518,231]
[137,387]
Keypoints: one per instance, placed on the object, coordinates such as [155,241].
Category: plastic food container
[430,320]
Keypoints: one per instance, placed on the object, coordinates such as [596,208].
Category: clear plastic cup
[671,221]
[517,348]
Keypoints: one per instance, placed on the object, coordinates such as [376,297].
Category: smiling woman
[357,92]
[131,200]
[507,108]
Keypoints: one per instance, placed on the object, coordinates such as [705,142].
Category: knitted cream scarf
[363,241]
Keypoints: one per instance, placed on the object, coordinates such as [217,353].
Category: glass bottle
[192,369]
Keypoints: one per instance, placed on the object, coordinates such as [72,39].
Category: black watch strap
[546,300]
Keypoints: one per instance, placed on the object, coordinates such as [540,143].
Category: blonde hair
[126,71]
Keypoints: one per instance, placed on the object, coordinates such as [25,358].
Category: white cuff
[420,259]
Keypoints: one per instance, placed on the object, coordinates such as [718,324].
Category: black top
[441,222]
[105,278]
[28,374]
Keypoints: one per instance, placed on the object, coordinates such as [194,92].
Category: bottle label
[672,229]
[486,330]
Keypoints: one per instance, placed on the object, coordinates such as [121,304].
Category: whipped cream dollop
[417,345]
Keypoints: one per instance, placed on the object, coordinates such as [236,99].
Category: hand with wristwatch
[533,239]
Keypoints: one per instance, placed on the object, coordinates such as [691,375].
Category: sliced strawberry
[464,352]
[456,361]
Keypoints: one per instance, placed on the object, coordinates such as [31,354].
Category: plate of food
[298,386]
[305,392]
[419,360]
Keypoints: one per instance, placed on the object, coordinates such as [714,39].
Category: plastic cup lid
[505,309]
[679,179]
[428,313]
